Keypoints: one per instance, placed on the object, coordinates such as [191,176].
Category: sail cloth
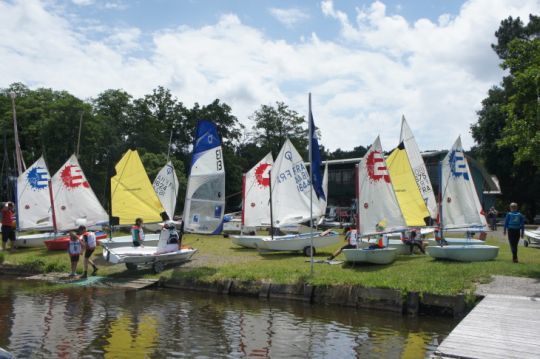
[460,205]
[256,204]
[132,194]
[33,198]
[418,167]
[166,187]
[74,201]
[407,192]
[319,205]
[290,187]
[205,195]
[315,158]
[377,203]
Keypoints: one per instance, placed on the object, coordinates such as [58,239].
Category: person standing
[137,233]
[89,241]
[8,225]
[74,251]
[514,224]
[492,216]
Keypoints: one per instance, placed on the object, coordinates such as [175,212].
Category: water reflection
[86,322]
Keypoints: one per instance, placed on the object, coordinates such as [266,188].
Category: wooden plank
[499,327]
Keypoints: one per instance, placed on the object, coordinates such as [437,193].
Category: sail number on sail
[300,175]
[219,159]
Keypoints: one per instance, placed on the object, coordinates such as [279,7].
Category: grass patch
[219,259]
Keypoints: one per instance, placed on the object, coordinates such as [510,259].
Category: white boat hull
[532,237]
[126,241]
[465,253]
[247,241]
[297,242]
[374,256]
[146,255]
[35,240]
[456,242]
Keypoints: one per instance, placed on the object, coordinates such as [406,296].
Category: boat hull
[62,243]
[126,241]
[457,242]
[146,255]
[247,241]
[373,256]
[465,253]
[532,237]
[297,242]
[36,240]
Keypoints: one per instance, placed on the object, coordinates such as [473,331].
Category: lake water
[43,321]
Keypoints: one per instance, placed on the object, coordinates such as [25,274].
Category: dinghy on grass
[532,237]
[459,209]
[378,208]
[298,242]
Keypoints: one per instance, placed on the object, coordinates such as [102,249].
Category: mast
[243,203]
[357,191]
[21,167]
[79,137]
[310,129]
[271,210]
[441,188]
[52,206]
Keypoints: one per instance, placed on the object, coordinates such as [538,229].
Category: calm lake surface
[43,321]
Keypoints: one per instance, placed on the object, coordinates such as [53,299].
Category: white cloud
[289,17]
[83,2]
[378,68]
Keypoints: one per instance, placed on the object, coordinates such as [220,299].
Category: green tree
[274,124]
[507,131]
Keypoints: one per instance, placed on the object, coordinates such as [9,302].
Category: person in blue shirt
[514,224]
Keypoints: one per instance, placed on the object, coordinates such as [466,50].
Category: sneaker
[71,275]
[95,270]
[84,275]
[515,260]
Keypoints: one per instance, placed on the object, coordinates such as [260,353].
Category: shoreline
[352,296]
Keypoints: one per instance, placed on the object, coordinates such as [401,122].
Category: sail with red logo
[73,199]
[379,209]
[256,209]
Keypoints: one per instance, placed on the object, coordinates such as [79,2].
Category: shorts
[349,246]
[74,258]
[8,233]
[88,252]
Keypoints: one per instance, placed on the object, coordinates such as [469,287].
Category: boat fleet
[394,195]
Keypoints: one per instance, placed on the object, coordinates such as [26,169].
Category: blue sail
[316,160]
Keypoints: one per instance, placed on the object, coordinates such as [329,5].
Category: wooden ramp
[500,326]
[96,281]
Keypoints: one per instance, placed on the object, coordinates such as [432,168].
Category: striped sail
[205,195]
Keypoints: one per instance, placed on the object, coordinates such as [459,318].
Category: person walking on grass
[88,239]
[74,251]
[514,224]
[8,225]
[351,237]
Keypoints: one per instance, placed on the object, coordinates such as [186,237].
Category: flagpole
[310,129]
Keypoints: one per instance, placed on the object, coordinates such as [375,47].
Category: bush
[33,264]
[56,266]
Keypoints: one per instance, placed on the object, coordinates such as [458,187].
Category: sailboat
[378,208]
[132,196]
[290,204]
[205,195]
[73,203]
[34,205]
[459,209]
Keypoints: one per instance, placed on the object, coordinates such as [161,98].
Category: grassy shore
[219,259]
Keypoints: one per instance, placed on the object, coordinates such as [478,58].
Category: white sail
[418,167]
[290,187]
[166,187]
[256,204]
[379,210]
[205,195]
[33,198]
[460,205]
[74,201]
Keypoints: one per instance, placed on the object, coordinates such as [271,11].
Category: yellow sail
[408,195]
[131,337]
[132,194]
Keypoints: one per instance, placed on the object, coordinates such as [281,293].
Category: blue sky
[365,62]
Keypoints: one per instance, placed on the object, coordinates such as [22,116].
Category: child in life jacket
[351,237]
[74,251]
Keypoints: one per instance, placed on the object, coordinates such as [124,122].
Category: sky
[366,63]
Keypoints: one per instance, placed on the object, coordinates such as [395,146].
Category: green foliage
[2,257]
[508,127]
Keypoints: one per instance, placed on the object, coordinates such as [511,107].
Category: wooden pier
[104,282]
[500,326]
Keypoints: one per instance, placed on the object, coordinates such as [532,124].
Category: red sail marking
[376,169]
[260,172]
[72,177]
